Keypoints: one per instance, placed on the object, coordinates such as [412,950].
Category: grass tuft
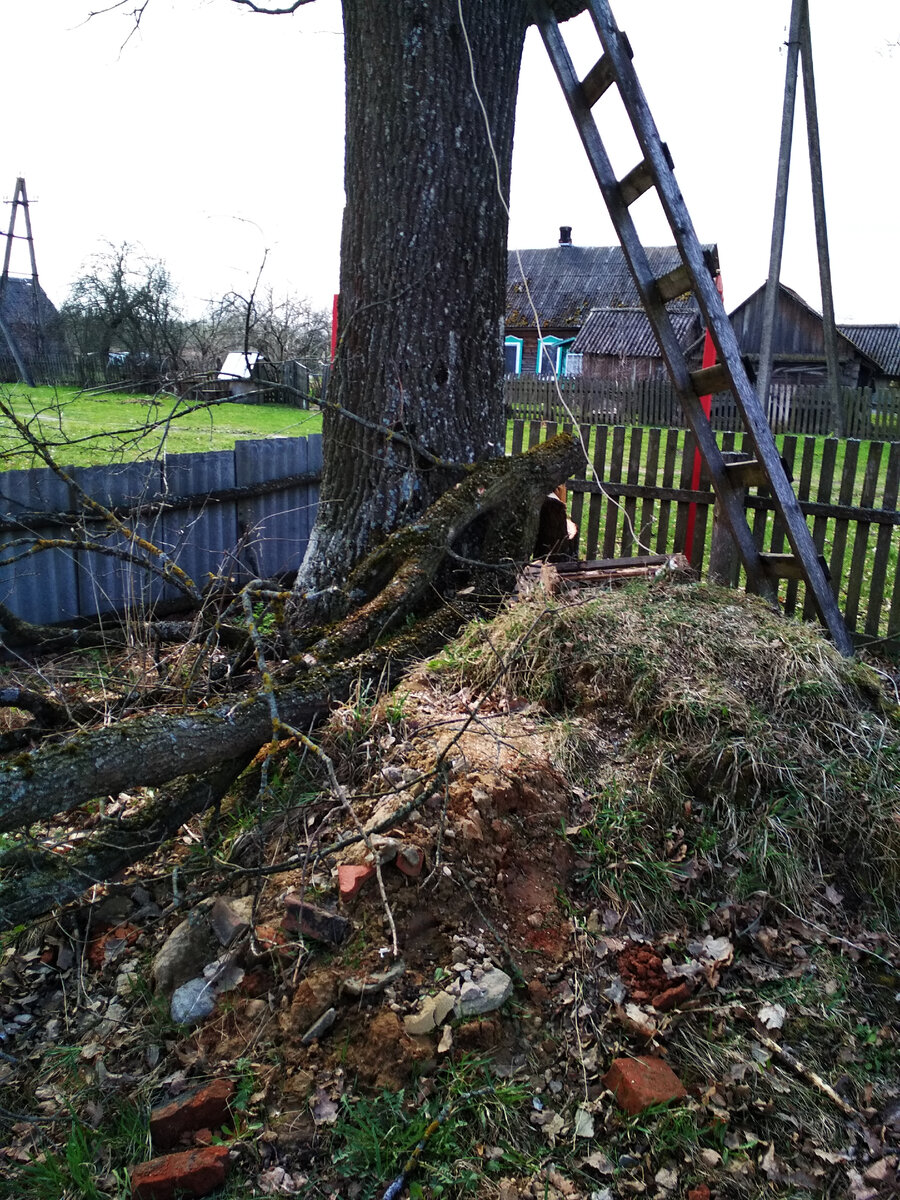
[717,739]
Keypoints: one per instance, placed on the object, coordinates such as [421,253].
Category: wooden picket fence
[636,496]
[790,408]
[252,508]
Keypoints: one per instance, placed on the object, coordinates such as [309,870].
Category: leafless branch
[269,12]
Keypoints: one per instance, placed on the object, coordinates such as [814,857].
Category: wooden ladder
[655,170]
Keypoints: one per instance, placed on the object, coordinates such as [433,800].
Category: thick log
[51,879]
[150,750]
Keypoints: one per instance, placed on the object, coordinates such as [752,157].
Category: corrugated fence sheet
[241,513]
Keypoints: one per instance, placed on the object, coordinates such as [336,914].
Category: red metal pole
[709,360]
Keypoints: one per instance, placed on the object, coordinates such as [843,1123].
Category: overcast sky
[216,135]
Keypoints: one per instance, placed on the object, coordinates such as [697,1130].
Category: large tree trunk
[423,267]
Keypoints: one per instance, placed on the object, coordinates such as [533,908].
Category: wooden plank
[687,469]
[601,435]
[845,496]
[518,435]
[776,545]
[612,506]
[665,507]
[577,507]
[820,523]
[629,534]
[874,614]
[787,566]
[861,536]
[808,453]
[645,532]
[609,564]
[534,433]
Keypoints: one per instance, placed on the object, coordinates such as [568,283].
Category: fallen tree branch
[152,749]
[51,879]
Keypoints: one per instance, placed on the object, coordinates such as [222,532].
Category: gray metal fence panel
[107,583]
[43,587]
[240,537]
[274,528]
[201,538]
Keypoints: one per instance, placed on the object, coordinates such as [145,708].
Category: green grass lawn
[84,430]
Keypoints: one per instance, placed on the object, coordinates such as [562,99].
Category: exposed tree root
[395,583]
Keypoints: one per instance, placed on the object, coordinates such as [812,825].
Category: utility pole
[800,52]
[20,198]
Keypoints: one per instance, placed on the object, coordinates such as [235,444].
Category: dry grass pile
[771,761]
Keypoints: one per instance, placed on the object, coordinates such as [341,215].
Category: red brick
[207,1108]
[639,1083]
[352,878]
[410,860]
[192,1173]
[672,997]
[699,1193]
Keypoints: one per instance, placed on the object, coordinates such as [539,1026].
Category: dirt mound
[590,848]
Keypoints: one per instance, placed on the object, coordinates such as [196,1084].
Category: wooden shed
[798,343]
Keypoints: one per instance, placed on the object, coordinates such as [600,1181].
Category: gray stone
[492,990]
[193,1001]
[184,953]
[322,1025]
[370,985]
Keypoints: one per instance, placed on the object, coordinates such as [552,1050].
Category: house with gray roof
[29,318]
[882,345]
[798,342]
[552,294]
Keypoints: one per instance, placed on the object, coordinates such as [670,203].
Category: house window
[552,353]
[512,353]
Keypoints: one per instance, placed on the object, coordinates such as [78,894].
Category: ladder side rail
[717,320]
[732,503]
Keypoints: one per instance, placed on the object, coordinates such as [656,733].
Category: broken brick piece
[639,1083]
[313,922]
[352,878]
[410,860]
[699,1193]
[111,944]
[191,1173]
[207,1108]
[672,997]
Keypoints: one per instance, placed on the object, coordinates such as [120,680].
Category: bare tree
[125,301]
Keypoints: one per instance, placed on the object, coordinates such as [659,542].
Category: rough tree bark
[423,265]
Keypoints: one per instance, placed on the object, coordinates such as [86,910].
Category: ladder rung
[786,566]
[748,472]
[674,284]
[602,74]
[598,79]
[711,380]
[640,178]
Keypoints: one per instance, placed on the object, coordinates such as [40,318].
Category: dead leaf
[324,1109]
[772,1016]
[584,1123]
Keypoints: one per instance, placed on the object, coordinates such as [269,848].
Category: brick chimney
[565,235]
